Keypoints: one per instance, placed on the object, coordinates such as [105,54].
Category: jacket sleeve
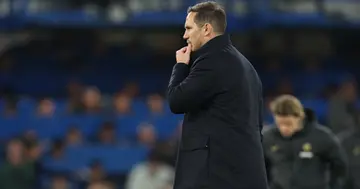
[346,143]
[336,157]
[268,169]
[266,142]
[187,90]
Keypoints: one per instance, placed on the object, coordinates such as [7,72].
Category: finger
[184,49]
[180,51]
[188,49]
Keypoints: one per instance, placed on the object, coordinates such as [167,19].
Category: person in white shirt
[152,174]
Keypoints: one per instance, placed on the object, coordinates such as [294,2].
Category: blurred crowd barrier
[242,14]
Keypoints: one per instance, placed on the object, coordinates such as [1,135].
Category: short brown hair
[210,12]
[287,105]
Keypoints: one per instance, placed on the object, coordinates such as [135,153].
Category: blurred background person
[146,135]
[74,92]
[343,110]
[60,182]
[350,140]
[155,104]
[107,135]
[17,172]
[74,137]
[93,174]
[92,100]
[122,104]
[46,108]
[151,174]
[57,150]
[101,185]
[297,140]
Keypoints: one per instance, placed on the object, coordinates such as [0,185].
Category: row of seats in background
[115,158]
[57,125]
[126,125]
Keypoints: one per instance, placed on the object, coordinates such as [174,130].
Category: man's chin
[286,135]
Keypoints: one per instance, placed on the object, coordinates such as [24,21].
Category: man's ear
[207,28]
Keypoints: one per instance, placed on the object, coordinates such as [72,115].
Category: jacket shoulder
[205,60]
[211,60]
[345,136]
[326,134]
[323,130]
[213,56]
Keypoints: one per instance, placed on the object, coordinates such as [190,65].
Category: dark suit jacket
[220,94]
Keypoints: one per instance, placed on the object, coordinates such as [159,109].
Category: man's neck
[212,36]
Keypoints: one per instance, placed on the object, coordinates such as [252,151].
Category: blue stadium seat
[47,127]
[11,127]
[114,160]
[140,107]
[61,106]
[166,125]
[26,106]
[87,123]
[126,126]
[310,83]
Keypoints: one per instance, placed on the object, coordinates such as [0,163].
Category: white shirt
[140,177]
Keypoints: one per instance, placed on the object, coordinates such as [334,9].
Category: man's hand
[183,55]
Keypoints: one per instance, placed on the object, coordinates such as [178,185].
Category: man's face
[91,98]
[15,151]
[288,125]
[46,107]
[59,183]
[147,134]
[194,35]
[97,186]
[122,103]
[74,136]
[155,103]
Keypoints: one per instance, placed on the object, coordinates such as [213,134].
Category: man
[342,111]
[300,152]
[220,94]
[152,174]
[101,185]
[350,141]
[17,172]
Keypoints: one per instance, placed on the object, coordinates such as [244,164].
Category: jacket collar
[216,43]
[307,127]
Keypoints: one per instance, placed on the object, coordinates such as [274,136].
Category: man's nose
[185,36]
